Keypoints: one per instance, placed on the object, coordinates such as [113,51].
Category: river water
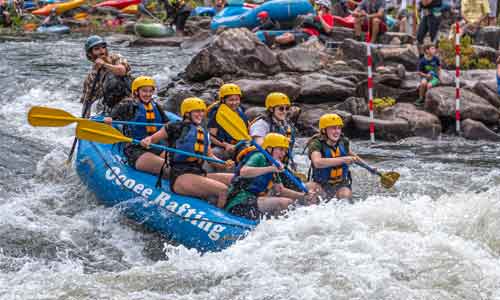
[436,235]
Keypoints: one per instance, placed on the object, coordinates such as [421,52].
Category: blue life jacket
[259,185]
[141,115]
[192,139]
[222,135]
[335,174]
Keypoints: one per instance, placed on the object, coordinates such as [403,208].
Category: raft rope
[457,77]
[108,165]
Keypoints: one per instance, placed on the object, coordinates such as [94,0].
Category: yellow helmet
[142,81]
[328,120]
[276,99]
[275,140]
[190,104]
[229,89]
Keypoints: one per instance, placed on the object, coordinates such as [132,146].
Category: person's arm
[326,27]
[250,172]
[155,138]
[320,162]
[286,192]
[498,70]
[119,69]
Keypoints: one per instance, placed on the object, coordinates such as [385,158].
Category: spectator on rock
[473,13]
[370,14]
[344,8]
[5,20]
[429,69]
[311,25]
[430,12]
[399,8]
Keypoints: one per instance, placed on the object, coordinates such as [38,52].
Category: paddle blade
[232,123]
[100,133]
[49,117]
[389,179]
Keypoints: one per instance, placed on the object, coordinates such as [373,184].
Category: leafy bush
[468,60]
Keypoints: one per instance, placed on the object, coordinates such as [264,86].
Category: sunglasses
[283,108]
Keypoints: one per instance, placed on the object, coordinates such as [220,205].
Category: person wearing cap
[188,175]
[223,143]
[330,156]
[109,79]
[311,26]
[265,22]
[370,15]
[141,107]
[52,19]
[256,189]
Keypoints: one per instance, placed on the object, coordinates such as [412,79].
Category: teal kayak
[153,30]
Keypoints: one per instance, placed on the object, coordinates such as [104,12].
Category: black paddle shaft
[85,112]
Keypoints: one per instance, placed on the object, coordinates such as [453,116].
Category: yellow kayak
[60,7]
[131,9]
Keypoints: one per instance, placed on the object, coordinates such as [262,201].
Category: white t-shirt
[259,128]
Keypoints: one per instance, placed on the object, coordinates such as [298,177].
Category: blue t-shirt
[429,66]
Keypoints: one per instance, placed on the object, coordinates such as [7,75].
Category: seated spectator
[401,14]
[370,16]
[429,69]
[311,26]
[344,8]
[4,15]
[265,23]
[473,13]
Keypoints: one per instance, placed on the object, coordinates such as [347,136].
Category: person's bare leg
[273,205]
[285,39]
[344,193]
[375,29]
[221,177]
[201,187]
[357,26]
[422,89]
[149,162]
[402,24]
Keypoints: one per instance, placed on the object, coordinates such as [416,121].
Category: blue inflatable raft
[189,221]
[203,11]
[278,10]
[53,29]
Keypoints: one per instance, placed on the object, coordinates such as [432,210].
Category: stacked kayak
[153,30]
[118,4]
[131,9]
[53,29]
[203,11]
[60,7]
[278,10]
[189,221]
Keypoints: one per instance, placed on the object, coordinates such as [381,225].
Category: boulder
[407,92]
[254,111]
[318,88]
[407,56]
[351,49]
[440,101]
[235,51]
[489,36]
[255,91]
[392,130]
[485,52]
[354,105]
[339,34]
[476,130]
[198,41]
[301,59]
[484,90]
[401,37]
[173,41]
[421,123]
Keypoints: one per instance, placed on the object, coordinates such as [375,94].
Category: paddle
[237,129]
[387,179]
[105,134]
[54,117]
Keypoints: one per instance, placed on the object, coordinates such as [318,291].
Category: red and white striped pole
[457,77]
[370,83]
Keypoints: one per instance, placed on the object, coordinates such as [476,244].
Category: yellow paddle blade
[99,133]
[232,123]
[49,117]
[389,179]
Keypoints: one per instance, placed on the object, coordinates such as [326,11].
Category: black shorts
[133,152]
[248,210]
[330,190]
[300,36]
[177,170]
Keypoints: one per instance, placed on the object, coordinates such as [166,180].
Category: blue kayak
[53,29]
[191,222]
[278,10]
[203,11]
